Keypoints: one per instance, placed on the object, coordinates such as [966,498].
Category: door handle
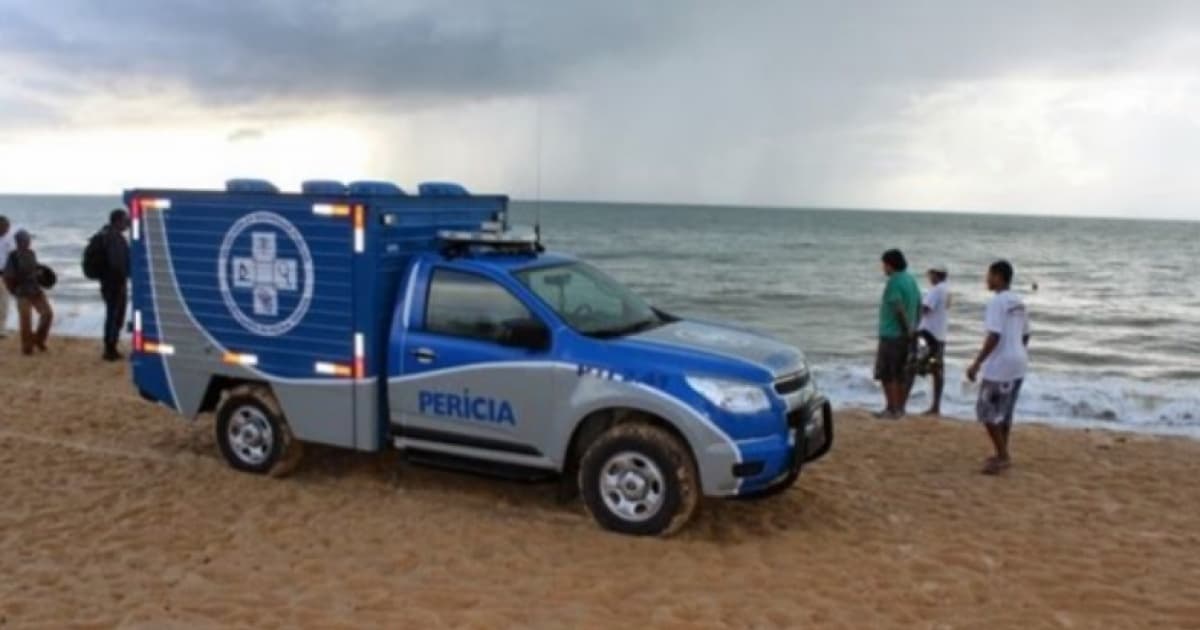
[424,355]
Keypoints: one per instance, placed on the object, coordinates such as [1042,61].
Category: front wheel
[252,433]
[639,479]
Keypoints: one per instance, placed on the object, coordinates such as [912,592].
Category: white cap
[939,268]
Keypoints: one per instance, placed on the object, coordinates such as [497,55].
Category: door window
[467,305]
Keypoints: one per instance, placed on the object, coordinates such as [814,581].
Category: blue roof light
[257,186]
[323,187]
[375,189]
[442,189]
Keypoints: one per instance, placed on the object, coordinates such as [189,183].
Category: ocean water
[1116,311]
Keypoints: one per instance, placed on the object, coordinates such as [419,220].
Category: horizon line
[757,206]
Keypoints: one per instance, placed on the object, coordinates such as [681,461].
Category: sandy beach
[117,513]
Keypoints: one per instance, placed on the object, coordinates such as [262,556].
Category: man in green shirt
[899,312]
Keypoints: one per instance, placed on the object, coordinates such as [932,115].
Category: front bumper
[775,464]
[816,422]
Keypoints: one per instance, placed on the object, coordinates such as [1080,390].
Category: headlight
[732,396]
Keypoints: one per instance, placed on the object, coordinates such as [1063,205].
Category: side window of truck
[466,305]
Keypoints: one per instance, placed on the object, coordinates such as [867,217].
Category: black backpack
[95,257]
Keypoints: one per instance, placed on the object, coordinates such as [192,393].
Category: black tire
[652,449]
[254,410]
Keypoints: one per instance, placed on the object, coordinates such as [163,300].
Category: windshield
[590,301]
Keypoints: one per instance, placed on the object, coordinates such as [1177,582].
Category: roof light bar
[489,237]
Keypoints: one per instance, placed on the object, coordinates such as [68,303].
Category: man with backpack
[106,259]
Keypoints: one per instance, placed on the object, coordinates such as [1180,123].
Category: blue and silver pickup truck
[360,316]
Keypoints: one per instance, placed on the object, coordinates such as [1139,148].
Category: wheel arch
[714,452]
[219,385]
[597,421]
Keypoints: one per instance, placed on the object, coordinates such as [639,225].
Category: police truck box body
[361,317]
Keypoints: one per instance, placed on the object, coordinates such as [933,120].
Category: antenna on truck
[537,224]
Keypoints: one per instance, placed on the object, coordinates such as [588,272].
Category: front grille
[791,383]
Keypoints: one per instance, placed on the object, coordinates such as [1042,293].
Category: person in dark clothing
[114,281]
[21,279]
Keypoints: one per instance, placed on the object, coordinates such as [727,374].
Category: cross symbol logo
[265,274]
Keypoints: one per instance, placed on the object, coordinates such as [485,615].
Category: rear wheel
[639,479]
[252,433]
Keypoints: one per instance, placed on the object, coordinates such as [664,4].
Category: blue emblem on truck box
[265,267]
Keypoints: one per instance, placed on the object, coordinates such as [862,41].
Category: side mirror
[526,333]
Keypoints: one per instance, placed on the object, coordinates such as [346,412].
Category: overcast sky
[1089,107]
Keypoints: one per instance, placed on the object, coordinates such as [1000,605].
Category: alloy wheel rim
[632,486]
[250,435]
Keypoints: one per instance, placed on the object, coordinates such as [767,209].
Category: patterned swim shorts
[997,400]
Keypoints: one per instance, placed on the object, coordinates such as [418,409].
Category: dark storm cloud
[229,52]
[765,101]
[309,52]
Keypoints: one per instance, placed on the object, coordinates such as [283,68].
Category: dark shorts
[997,401]
[891,360]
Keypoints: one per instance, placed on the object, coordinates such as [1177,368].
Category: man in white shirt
[1002,362]
[7,245]
[935,320]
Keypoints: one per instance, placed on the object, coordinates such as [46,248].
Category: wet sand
[116,513]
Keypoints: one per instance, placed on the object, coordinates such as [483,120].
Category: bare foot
[995,466]
[933,411]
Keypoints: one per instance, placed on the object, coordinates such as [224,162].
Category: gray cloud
[772,101]
[310,54]
[232,52]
